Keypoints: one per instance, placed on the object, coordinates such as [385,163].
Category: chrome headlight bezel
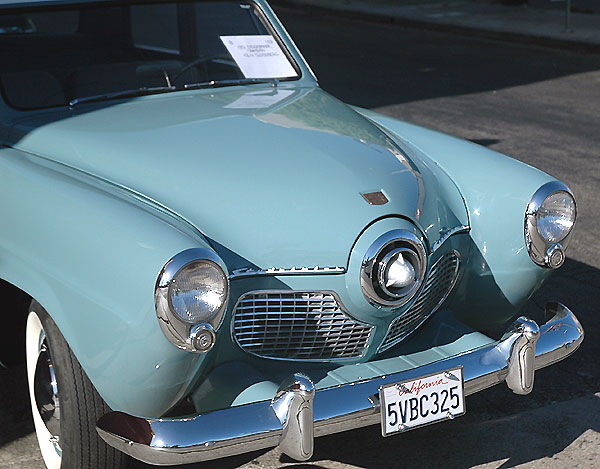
[375,264]
[192,336]
[545,252]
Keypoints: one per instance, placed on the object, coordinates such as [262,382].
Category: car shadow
[15,413]
[538,433]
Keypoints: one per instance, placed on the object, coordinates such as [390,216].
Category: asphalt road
[538,105]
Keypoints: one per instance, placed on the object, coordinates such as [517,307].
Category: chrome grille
[438,285]
[296,325]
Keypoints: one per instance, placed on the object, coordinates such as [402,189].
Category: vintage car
[202,253]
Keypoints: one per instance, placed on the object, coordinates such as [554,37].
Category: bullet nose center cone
[400,273]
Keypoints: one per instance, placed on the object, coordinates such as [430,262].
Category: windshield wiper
[241,81]
[167,89]
[122,94]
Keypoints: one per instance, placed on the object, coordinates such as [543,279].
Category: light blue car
[204,254]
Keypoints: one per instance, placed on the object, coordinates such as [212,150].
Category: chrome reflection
[521,364]
[46,393]
[393,251]
[446,234]
[541,251]
[293,405]
[259,425]
[277,271]
[182,334]
[298,325]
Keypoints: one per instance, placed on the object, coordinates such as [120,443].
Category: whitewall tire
[64,403]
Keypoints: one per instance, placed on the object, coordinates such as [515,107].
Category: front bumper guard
[298,413]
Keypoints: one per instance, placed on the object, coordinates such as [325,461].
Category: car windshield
[102,52]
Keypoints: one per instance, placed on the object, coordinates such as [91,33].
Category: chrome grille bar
[298,325]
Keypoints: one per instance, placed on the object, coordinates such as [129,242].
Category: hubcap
[46,392]
[43,392]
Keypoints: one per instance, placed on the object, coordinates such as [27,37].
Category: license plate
[417,402]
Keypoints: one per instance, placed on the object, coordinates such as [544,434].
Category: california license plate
[422,401]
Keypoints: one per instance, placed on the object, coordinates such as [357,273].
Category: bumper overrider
[297,413]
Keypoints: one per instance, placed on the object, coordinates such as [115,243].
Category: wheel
[64,403]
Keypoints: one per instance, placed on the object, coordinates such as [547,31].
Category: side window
[55,22]
[154,27]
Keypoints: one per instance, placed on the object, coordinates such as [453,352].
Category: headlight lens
[556,217]
[198,291]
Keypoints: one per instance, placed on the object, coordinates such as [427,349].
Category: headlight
[190,297]
[556,217]
[549,221]
[198,291]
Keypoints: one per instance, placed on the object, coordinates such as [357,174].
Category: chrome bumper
[298,413]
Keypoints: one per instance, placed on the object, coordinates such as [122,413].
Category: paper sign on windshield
[259,56]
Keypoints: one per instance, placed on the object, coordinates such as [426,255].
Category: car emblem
[375,198]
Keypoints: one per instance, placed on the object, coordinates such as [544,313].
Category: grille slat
[246,323]
[297,325]
[349,337]
[439,283]
[291,301]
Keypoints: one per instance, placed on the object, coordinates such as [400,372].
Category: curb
[471,31]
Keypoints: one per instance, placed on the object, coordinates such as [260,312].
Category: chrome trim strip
[276,271]
[446,234]
[257,426]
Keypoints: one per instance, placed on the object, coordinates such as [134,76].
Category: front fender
[91,258]
[496,190]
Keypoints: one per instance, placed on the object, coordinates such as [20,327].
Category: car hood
[272,177]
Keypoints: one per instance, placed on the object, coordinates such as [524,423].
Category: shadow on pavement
[15,413]
[396,65]
[515,439]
